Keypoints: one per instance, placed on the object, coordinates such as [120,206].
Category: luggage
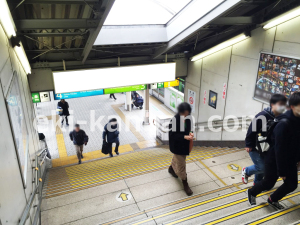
[59,111]
[106,148]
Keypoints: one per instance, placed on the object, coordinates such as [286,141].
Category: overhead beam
[55,34]
[54,1]
[44,24]
[107,5]
[222,9]
[237,20]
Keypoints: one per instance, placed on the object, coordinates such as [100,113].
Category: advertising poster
[173,98]
[276,74]
[191,99]
[77,94]
[213,98]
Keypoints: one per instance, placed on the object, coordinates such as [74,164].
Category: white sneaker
[244,176]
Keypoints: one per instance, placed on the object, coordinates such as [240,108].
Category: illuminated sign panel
[104,78]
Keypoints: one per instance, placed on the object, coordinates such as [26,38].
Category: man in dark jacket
[111,131]
[65,110]
[283,156]
[179,141]
[277,107]
[79,138]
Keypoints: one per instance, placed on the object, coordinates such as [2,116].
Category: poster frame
[216,94]
[271,53]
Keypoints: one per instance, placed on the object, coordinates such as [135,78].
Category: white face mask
[281,108]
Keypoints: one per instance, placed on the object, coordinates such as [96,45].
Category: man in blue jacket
[79,138]
[283,157]
[111,131]
[277,107]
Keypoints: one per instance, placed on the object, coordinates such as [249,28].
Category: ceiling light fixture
[282,18]
[219,47]
[6,19]
[23,58]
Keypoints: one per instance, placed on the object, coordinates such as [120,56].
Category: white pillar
[128,101]
[146,96]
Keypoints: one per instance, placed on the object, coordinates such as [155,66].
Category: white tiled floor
[81,110]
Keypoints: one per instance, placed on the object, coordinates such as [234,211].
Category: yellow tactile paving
[127,122]
[110,169]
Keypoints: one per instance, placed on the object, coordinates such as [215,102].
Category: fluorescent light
[219,47]
[94,79]
[23,58]
[283,18]
[6,19]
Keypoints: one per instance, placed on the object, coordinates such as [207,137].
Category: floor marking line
[283,212]
[221,207]
[242,212]
[212,172]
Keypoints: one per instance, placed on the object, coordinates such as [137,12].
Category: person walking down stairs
[179,142]
[79,139]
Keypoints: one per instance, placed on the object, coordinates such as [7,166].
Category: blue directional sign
[78,94]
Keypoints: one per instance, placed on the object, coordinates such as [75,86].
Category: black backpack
[263,138]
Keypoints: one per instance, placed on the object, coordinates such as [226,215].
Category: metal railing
[40,172]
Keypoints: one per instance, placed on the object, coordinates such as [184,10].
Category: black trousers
[112,95]
[270,179]
[64,119]
[117,146]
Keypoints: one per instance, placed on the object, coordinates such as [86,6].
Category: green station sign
[160,85]
[125,89]
[36,97]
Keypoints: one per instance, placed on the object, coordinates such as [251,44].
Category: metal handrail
[38,189]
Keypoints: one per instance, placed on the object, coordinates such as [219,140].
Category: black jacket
[178,145]
[250,140]
[78,138]
[65,108]
[113,135]
[285,146]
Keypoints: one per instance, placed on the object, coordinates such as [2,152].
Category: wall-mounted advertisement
[125,89]
[213,98]
[18,124]
[191,99]
[276,74]
[78,94]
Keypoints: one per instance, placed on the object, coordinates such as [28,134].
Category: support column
[146,96]
[128,101]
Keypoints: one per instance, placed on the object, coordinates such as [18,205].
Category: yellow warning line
[281,213]
[212,172]
[243,212]
[221,207]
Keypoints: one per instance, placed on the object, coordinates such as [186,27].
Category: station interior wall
[14,194]
[237,67]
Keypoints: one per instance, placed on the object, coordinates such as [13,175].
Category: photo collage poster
[277,75]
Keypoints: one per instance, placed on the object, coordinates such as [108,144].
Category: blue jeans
[258,168]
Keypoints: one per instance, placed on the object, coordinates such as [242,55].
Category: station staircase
[224,205]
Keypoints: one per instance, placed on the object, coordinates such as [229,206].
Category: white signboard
[191,99]
[94,79]
[45,96]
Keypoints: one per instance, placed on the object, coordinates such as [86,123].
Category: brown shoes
[186,188]
[172,172]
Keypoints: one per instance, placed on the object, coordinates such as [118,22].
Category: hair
[184,107]
[277,98]
[77,125]
[113,120]
[294,99]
